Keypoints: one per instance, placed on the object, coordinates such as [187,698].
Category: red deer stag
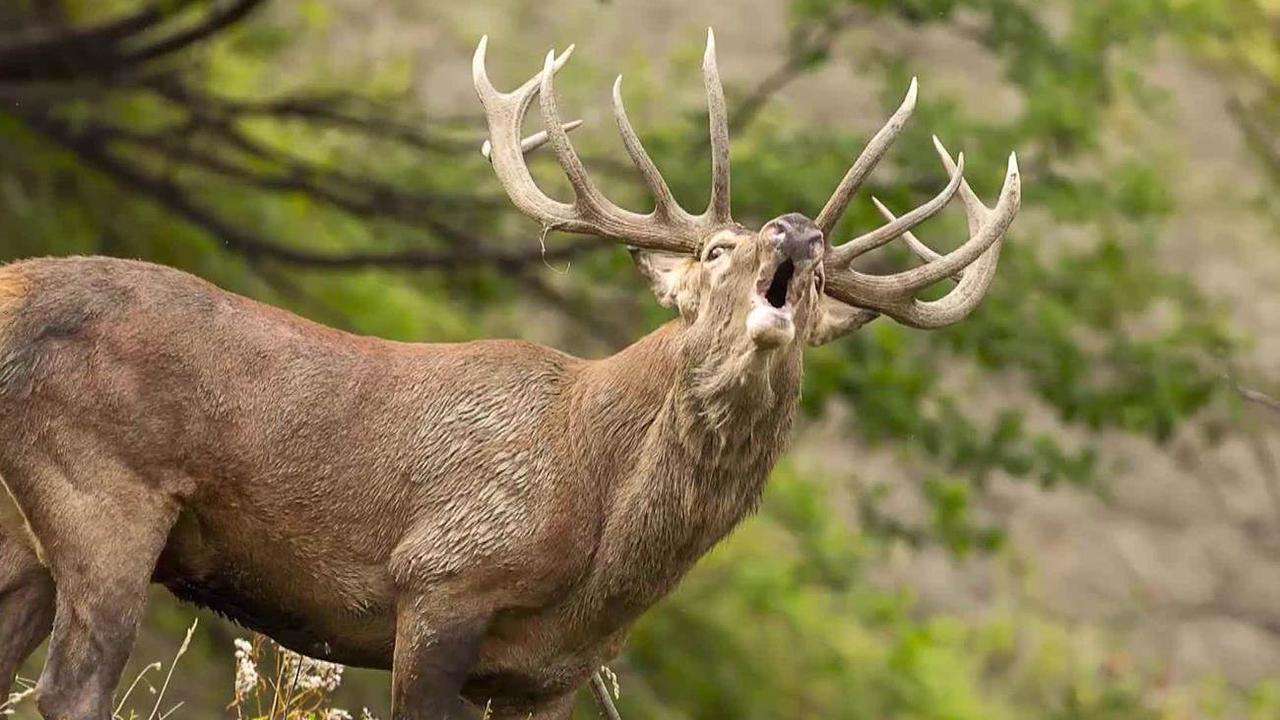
[484,519]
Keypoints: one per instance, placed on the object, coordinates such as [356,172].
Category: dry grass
[271,683]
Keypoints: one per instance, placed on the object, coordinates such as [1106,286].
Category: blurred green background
[1066,507]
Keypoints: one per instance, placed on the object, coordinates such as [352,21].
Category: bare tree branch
[810,41]
[33,50]
[362,196]
[102,51]
[218,19]
[464,254]
[1258,398]
[330,109]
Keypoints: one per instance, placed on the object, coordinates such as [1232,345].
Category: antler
[669,227]
[972,264]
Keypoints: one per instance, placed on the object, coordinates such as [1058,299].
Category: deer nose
[795,237]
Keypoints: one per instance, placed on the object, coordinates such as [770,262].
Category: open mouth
[770,321]
[776,294]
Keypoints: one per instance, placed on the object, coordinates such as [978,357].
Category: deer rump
[309,474]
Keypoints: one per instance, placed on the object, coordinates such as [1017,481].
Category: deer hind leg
[101,531]
[26,606]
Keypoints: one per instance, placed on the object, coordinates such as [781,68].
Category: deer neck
[706,423]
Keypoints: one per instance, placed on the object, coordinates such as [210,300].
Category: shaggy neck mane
[689,471]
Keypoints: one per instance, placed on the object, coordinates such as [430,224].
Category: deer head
[780,286]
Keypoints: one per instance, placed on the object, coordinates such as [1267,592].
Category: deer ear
[835,320]
[665,273]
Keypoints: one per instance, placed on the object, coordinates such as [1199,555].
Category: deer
[487,519]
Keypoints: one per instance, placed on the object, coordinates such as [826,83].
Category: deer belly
[13,524]
[358,643]
[317,606]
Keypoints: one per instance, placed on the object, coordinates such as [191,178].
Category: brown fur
[13,288]
[486,518]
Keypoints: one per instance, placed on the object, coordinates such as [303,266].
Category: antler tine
[973,207]
[531,143]
[844,254]
[718,206]
[866,162]
[665,205]
[894,295]
[480,76]
[523,95]
[588,197]
[922,251]
[976,278]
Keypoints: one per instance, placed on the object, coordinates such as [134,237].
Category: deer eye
[718,251]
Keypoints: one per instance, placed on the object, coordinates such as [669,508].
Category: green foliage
[781,621]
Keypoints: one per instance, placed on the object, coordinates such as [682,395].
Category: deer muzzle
[791,246]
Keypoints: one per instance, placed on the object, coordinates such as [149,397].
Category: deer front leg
[558,709]
[435,649]
[26,607]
